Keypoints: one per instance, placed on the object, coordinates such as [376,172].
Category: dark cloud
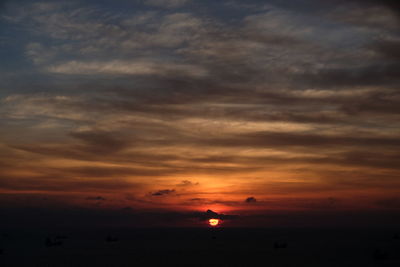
[197,199]
[100,198]
[108,172]
[385,74]
[374,14]
[271,139]
[166,3]
[186,183]
[209,214]
[391,4]
[389,49]
[99,141]
[250,200]
[378,159]
[207,201]
[163,192]
[62,182]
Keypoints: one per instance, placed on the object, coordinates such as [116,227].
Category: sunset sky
[169,108]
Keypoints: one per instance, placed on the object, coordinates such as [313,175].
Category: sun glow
[213,222]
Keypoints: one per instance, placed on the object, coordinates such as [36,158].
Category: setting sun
[213,222]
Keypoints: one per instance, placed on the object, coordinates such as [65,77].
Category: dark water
[200,247]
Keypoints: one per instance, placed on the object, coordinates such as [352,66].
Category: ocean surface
[200,247]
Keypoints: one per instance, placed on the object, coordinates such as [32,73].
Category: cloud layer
[198,105]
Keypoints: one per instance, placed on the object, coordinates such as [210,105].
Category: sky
[155,111]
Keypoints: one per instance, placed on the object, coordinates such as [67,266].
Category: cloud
[39,53]
[46,184]
[187,183]
[100,198]
[387,49]
[167,3]
[251,200]
[390,4]
[163,192]
[365,76]
[282,92]
[100,141]
[209,214]
[104,42]
[272,139]
[367,15]
[128,68]
[206,201]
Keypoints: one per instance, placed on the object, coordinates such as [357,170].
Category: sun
[213,222]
